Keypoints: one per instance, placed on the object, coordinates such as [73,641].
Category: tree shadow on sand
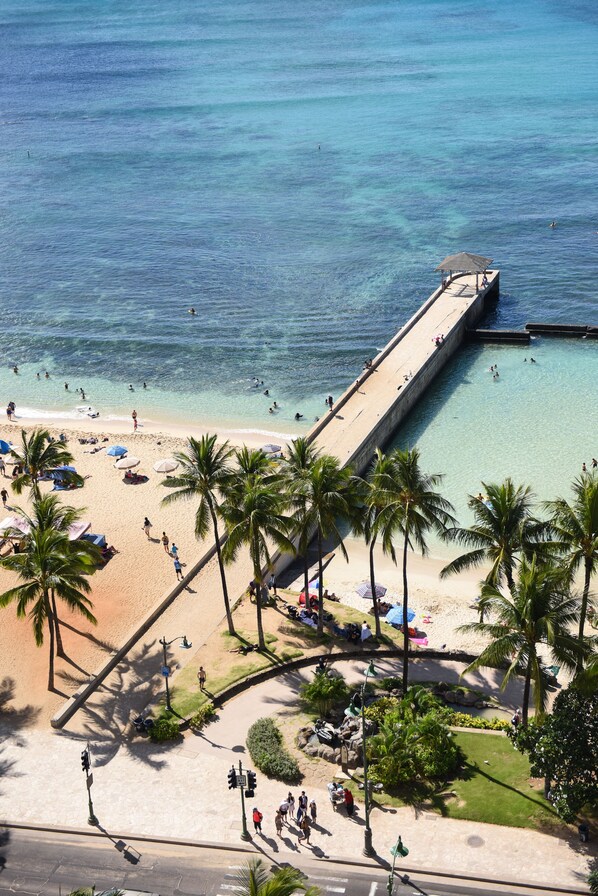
[109,711]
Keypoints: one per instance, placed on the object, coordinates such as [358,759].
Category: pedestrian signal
[85,763]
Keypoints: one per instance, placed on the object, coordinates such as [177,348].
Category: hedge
[264,742]
[464,720]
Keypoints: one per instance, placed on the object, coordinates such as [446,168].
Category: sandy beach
[135,580]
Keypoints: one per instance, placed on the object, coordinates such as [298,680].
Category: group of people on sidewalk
[306,816]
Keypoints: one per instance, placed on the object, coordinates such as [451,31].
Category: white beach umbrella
[165,466]
[125,463]
[365,590]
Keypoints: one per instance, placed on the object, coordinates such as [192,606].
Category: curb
[339,860]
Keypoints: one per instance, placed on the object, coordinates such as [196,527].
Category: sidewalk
[181,792]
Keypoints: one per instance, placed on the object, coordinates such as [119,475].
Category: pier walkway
[367,414]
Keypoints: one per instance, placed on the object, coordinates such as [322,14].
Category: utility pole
[86,766]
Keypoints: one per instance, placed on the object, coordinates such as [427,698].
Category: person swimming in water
[191,311]
[298,416]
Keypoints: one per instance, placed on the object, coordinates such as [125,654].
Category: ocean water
[293,171]
[537,423]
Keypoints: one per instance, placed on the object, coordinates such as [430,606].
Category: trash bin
[584,833]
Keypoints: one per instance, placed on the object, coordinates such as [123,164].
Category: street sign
[165,671]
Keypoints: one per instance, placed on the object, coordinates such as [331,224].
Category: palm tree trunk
[373,587]
[306,577]
[526,693]
[229,615]
[59,647]
[51,657]
[257,578]
[320,577]
[583,610]
[405,621]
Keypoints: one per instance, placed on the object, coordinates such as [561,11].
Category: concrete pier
[367,414]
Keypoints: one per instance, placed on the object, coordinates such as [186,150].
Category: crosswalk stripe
[334,880]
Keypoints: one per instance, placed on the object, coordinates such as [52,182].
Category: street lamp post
[397,850]
[165,666]
[368,849]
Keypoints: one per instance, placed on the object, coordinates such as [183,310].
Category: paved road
[46,864]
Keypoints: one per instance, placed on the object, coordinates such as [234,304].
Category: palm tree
[254,879]
[47,565]
[331,494]
[503,530]
[575,527]
[381,516]
[539,610]
[49,514]
[205,473]
[298,461]
[38,454]
[415,509]
[253,512]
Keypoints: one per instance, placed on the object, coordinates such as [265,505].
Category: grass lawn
[500,792]
[285,639]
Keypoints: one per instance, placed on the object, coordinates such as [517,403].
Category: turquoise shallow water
[536,423]
[295,172]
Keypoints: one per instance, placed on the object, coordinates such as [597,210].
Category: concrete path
[348,426]
[181,791]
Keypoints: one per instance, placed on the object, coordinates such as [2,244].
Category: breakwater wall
[523,337]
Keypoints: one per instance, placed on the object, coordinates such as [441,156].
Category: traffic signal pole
[245,835]
[86,766]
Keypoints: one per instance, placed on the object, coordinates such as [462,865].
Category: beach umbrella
[395,616]
[271,449]
[365,590]
[125,463]
[4,447]
[117,451]
[165,466]
[64,469]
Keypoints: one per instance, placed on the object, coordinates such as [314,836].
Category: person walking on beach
[165,542]
[257,820]
[177,569]
[174,550]
[134,416]
[4,496]
[201,677]
[313,809]
[147,527]
[2,466]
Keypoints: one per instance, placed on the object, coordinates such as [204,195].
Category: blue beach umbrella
[117,451]
[64,469]
[4,447]
[395,616]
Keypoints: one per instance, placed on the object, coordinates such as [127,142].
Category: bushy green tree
[563,749]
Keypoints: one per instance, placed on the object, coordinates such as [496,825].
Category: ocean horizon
[293,174]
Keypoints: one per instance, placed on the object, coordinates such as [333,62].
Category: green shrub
[203,716]
[322,693]
[391,683]
[378,710]
[164,728]
[264,742]
[464,720]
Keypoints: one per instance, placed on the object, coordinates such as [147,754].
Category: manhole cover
[475,841]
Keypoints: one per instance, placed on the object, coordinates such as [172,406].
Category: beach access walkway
[368,412]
